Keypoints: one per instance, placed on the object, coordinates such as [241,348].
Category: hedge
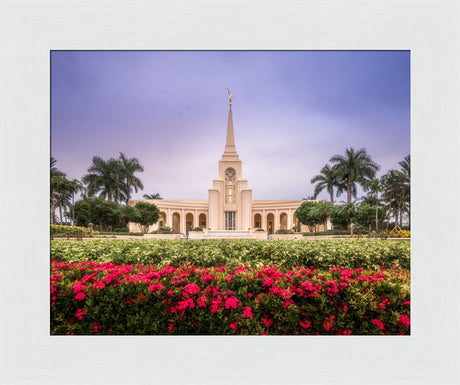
[59,229]
[352,253]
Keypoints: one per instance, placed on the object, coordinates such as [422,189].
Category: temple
[230,209]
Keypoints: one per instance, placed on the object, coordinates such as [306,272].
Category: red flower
[231,302]
[268,321]
[80,296]
[328,323]
[347,332]
[268,282]
[202,301]
[248,312]
[233,325]
[192,288]
[78,287]
[403,320]
[98,285]
[157,286]
[216,304]
[80,313]
[378,323]
[305,325]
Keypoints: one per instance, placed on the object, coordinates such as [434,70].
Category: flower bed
[108,298]
[356,253]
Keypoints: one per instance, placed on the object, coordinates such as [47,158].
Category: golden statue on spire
[230,96]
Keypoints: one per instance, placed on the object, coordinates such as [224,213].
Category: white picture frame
[30,29]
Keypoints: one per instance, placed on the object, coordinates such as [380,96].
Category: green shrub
[354,253]
[163,230]
[284,231]
[121,230]
[59,229]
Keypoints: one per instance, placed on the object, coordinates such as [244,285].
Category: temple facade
[229,207]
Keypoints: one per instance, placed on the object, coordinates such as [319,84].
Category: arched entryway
[295,223]
[176,222]
[202,220]
[162,220]
[283,221]
[188,223]
[270,223]
[257,221]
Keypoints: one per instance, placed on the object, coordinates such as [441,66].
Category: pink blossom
[305,325]
[346,332]
[248,312]
[233,325]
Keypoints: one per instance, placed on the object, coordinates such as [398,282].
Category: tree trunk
[348,194]
[377,219]
[60,212]
[53,209]
[109,196]
[332,197]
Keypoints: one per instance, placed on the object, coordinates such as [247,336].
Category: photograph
[230,192]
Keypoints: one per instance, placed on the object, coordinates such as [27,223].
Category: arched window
[230,185]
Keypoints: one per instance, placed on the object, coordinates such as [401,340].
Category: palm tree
[152,196]
[354,167]
[327,180]
[129,168]
[75,186]
[393,194]
[405,171]
[61,193]
[105,177]
[54,173]
[374,189]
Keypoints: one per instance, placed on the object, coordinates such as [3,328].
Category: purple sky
[292,111]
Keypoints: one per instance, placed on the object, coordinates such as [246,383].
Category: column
[277,221]
[168,218]
[182,221]
[264,221]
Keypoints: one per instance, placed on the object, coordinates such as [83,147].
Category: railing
[79,234]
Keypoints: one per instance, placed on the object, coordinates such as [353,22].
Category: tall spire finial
[230,150]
